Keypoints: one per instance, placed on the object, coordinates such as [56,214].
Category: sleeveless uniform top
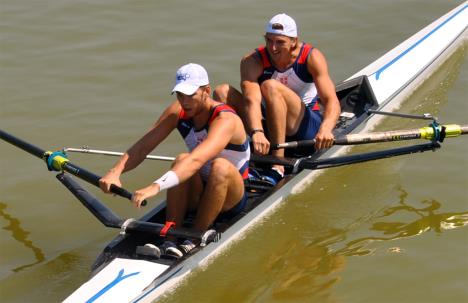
[237,154]
[296,77]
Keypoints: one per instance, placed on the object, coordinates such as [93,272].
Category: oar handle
[307,143]
[294,144]
[124,193]
[94,179]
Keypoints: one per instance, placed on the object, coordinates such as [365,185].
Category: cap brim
[281,32]
[185,88]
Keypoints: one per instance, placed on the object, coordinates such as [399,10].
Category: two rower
[281,82]
[209,179]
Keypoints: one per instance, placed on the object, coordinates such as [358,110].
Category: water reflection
[300,272]
[20,235]
[427,219]
[312,270]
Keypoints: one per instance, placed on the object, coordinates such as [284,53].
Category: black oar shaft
[28,147]
[67,166]
[94,179]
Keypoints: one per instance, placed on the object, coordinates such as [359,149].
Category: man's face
[193,104]
[278,45]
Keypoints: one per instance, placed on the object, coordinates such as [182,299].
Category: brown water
[79,73]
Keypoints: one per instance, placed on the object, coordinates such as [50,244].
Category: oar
[307,163]
[86,150]
[429,132]
[58,162]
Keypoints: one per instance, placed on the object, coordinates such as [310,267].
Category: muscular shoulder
[316,61]
[231,126]
[251,58]
[170,114]
[173,109]
[251,66]
[226,116]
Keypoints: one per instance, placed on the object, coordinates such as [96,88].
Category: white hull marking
[121,281]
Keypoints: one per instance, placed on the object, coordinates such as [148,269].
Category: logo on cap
[182,77]
[189,78]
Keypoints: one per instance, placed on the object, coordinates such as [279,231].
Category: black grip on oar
[341,141]
[94,179]
[294,144]
[124,193]
[306,143]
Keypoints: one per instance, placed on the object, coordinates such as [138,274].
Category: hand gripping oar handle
[94,179]
[428,133]
[305,143]
[63,164]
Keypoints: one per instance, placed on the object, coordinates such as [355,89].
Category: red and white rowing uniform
[237,154]
[296,76]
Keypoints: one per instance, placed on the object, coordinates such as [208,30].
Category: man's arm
[317,66]
[138,152]
[251,69]
[221,132]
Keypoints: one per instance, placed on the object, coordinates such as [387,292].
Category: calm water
[99,73]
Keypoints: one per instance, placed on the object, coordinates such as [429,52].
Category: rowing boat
[120,274]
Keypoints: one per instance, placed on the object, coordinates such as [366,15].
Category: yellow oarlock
[451,130]
[55,160]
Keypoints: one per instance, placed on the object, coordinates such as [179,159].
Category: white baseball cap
[189,78]
[282,24]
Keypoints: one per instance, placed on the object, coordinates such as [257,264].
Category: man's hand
[324,139]
[261,144]
[110,178]
[144,193]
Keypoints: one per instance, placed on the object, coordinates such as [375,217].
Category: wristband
[167,180]
[255,130]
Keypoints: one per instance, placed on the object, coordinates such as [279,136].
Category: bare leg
[183,197]
[284,112]
[227,94]
[223,191]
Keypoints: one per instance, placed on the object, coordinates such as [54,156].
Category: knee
[221,92]
[269,87]
[220,170]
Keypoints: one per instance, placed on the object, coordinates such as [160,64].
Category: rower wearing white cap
[286,81]
[209,179]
